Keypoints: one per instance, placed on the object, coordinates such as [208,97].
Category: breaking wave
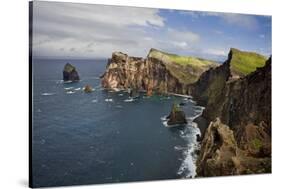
[190,134]
[70,92]
[129,100]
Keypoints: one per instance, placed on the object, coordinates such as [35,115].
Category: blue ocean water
[103,136]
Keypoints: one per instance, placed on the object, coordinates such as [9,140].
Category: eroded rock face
[220,154]
[156,73]
[218,151]
[244,107]
[125,72]
[70,73]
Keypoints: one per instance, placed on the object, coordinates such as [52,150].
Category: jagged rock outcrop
[156,73]
[244,106]
[70,73]
[220,154]
[177,116]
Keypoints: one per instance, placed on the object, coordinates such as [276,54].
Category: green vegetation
[243,63]
[182,60]
[257,143]
[176,107]
[186,68]
[69,68]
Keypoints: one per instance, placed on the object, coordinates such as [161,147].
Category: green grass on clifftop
[182,60]
[243,63]
[186,68]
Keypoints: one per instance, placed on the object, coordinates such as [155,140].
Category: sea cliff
[243,105]
[236,96]
[159,72]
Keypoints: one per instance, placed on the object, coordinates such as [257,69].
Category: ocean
[104,137]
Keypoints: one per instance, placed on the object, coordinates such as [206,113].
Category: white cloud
[83,30]
[262,36]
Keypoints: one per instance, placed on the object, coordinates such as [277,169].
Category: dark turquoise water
[103,137]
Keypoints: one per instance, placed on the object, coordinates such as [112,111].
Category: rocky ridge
[157,73]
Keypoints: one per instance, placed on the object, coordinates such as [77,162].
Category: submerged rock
[177,116]
[70,73]
[88,89]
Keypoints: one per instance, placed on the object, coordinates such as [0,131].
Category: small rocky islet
[177,116]
[70,73]
[236,96]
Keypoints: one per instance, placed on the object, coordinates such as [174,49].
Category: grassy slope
[183,60]
[186,68]
[243,63]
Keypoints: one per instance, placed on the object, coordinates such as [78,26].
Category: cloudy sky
[68,30]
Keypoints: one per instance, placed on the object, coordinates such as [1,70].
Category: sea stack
[70,73]
[88,89]
[177,116]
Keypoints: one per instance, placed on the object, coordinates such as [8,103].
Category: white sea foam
[67,81]
[129,100]
[164,118]
[189,134]
[68,88]
[192,101]
[47,94]
[121,94]
[77,89]
[95,100]
[188,165]
[70,92]
[108,100]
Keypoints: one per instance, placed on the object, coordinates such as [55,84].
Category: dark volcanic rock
[88,89]
[70,73]
[177,116]
[244,106]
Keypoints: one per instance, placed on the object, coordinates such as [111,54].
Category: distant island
[236,96]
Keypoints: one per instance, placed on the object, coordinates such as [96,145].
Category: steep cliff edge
[244,106]
[220,154]
[159,72]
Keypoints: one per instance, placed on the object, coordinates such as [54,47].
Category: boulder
[88,89]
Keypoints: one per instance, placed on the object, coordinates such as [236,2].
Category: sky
[71,30]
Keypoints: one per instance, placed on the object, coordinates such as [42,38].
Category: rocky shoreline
[237,137]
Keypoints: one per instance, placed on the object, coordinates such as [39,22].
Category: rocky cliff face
[154,74]
[221,156]
[243,105]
